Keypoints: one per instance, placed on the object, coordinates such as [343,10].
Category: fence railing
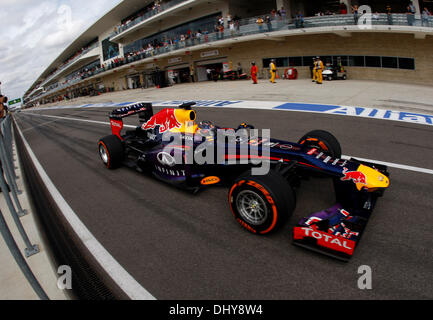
[249,26]
[10,192]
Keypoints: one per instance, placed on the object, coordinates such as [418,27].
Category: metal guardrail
[10,193]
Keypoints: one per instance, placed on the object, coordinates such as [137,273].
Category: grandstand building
[145,43]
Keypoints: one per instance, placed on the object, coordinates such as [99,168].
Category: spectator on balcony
[355,12]
[216,30]
[299,20]
[259,22]
[229,19]
[425,17]
[410,14]
[389,14]
[232,29]
[343,8]
[283,13]
[237,25]
[221,31]
[268,23]
[198,36]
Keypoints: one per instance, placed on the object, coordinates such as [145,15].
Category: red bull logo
[165,119]
[355,176]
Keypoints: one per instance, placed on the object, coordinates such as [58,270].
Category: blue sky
[33,33]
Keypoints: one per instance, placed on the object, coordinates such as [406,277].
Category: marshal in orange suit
[254,71]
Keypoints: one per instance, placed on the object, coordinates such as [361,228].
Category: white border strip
[75,119]
[119,275]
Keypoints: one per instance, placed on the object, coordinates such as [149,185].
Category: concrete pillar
[417,8]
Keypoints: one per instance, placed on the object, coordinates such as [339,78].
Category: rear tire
[322,141]
[111,151]
[261,204]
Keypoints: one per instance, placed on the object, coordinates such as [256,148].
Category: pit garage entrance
[215,66]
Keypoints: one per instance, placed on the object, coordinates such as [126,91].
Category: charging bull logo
[355,176]
[165,119]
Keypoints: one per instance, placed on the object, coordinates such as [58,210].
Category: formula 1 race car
[171,146]
[234,75]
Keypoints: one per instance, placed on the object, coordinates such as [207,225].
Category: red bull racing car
[259,203]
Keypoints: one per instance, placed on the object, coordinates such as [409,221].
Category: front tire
[111,151]
[261,204]
[323,141]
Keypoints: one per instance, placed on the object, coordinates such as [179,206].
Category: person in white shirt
[425,17]
[232,28]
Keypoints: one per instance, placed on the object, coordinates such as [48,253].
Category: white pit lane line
[388,164]
[119,275]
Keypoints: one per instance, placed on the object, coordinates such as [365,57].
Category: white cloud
[34,33]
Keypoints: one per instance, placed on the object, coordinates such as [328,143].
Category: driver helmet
[205,127]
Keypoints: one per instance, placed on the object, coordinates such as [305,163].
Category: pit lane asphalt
[183,246]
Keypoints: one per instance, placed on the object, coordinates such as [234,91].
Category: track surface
[181,246]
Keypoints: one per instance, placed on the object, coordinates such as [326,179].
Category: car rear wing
[143,109]
[131,110]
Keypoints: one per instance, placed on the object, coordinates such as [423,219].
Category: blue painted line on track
[306,107]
